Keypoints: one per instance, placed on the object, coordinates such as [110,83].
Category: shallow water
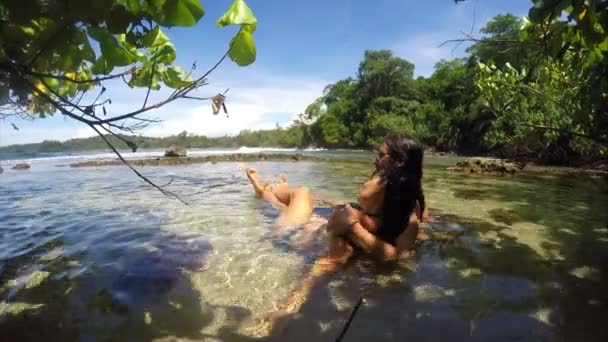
[94,254]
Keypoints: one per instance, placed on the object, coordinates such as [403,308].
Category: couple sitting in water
[383,223]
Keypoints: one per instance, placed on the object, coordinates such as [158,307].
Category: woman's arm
[346,222]
[374,245]
[370,243]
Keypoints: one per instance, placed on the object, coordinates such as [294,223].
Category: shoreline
[528,169]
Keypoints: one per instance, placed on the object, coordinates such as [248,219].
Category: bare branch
[150,82]
[67,107]
[29,72]
[477,40]
[92,80]
[559,130]
[197,98]
[144,178]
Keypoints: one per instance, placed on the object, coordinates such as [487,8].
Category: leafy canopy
[57,49]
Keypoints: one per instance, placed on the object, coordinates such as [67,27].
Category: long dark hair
[403,185]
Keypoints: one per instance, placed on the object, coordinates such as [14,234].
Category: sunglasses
[381,155]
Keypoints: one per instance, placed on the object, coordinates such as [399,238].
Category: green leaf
[86,51]
[101,66]
[165,54]
[182,12]
[141,78]
[154,37]
[176,77]
[604,45]
[536,15]
[237,14]
[112,48]
[132,5]
[119,19]
[242,50]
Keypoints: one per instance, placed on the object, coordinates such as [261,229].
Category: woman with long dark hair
[384,222]
[399,171]
[385,219]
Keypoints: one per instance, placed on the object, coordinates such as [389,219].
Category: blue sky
[302,47]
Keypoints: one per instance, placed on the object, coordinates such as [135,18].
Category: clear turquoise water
[96,255]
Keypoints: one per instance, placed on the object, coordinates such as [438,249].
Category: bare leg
[282,191]
[263,191]
[300,208]
[319,273]
[296,204]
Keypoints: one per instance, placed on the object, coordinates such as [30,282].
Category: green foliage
[555,105]
[47,48]
[501,43]
[349,111]
[242,50]
[507,97]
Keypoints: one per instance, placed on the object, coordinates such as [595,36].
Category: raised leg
[282,191]
[263,190]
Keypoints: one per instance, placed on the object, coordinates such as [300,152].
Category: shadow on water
[491,283]
[488,284]
[131,284]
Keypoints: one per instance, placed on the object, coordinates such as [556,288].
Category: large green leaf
[242,48]
[132,5]
[154,37]
[112,50]
[182,12]
[165,54]
[119,20]
[176,77]
[238,13]
[141,78]
[101,66]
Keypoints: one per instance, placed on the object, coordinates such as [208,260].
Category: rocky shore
[170,161]
[500,167]
[481,166]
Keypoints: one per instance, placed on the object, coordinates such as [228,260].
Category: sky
[302,46]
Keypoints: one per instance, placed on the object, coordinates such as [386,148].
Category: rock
[21,166]
[175,151]
[164,161]
[1,169]
[486,166]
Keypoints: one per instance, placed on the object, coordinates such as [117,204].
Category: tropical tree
[56,56]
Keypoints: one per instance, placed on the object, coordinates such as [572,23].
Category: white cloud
[248,108]
[257,101]
[422,47]
[423,50]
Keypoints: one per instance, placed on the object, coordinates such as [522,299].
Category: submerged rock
[21,166]
[486,166]
[175,151]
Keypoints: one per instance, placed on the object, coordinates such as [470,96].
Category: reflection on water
[94,254]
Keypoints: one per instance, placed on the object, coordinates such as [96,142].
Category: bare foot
[252,174]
